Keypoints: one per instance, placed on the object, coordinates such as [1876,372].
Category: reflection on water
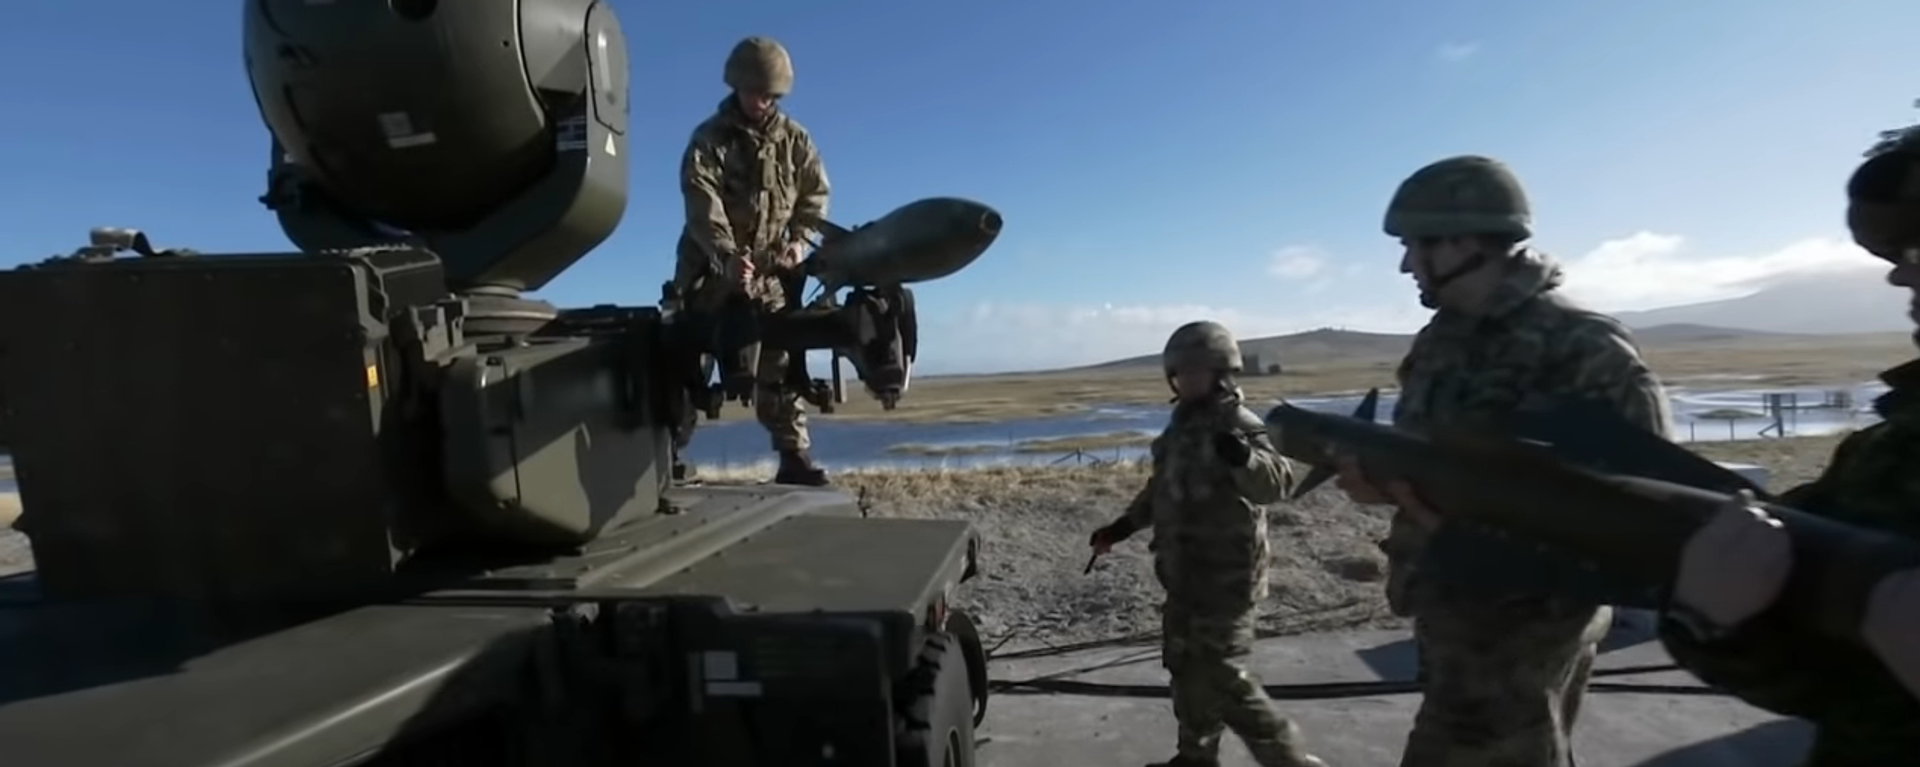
[1118,432]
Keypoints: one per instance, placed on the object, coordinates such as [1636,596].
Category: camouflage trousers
[1213,692]
[776,405]
[1502,682]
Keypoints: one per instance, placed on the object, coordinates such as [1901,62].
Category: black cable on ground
[1055,684]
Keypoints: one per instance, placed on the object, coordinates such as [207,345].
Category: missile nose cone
[990,223]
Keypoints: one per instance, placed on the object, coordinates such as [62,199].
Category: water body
[1700,414]
[847,443]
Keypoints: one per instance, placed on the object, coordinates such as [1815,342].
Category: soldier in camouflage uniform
[756,192]
[1213,468]
[1502,674]
[1718,625]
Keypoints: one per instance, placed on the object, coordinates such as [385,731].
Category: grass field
[1771,361]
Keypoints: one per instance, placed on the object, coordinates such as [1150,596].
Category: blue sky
[1155,162]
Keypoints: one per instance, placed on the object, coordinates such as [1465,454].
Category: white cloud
[1456,51]
[1296,262]
[1641,271]
[1647,270]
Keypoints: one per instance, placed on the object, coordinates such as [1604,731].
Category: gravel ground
[1034,523]
[1326,572]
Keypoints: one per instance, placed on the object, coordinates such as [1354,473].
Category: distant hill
[1857,301]
[1312,345]
[1682,333]
[1328,344]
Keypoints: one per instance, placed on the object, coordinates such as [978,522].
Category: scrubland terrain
[1326,569]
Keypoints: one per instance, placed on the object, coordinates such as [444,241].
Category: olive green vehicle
[368,504]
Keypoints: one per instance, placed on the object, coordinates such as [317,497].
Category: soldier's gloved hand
[1232,448]
[1734,566]
[1104,539]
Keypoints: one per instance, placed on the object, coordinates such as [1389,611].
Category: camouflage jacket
[1862,713]
[1209,527]
[1526,346]
[750,188]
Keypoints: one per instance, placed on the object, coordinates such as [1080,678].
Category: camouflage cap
[1202,344]
[1459,196]
[760,64]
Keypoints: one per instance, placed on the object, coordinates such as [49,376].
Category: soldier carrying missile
[756,193]
[1802,605]
[1502,673]
[1721,627]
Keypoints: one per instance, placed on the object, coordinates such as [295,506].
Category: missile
[920,241]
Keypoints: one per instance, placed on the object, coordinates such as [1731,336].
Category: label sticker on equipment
[400,131]
[570,134]
[722,671]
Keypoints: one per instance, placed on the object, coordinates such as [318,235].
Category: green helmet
[1201,345]
[1460,196]
[760,64]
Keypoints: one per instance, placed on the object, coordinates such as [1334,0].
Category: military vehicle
[368,503]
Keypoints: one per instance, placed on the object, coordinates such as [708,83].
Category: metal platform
[1107,706]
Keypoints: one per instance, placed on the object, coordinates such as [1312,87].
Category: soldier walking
[1502,674]
[1213,468]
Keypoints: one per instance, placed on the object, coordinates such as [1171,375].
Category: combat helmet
[1883,198]
[760,64]
[1459,196]
[1201,344]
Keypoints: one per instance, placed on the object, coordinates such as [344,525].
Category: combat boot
[1187,761]
[1195,761]
[797,468]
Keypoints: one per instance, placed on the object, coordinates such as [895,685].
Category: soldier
[1502,674]
[756,192]
[1718,626]
[1213,468]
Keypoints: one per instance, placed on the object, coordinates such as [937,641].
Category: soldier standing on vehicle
[756,193]
[1502,674]
[1864,702]
[1213,468]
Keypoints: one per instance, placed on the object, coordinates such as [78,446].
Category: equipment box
[211,426]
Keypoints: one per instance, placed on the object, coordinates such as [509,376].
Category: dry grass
[1326,569]
[1079,443]
[1814,361]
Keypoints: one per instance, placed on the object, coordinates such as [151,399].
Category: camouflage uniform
[1213,468]
[752,188]
[1503,676]
[1861,713]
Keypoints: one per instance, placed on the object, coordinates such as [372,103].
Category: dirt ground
[1034,523]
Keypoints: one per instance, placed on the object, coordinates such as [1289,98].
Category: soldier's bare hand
[1734,566]
[1417,508]
[1892,626]
[1354,483]
[740,269]
[795,252]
